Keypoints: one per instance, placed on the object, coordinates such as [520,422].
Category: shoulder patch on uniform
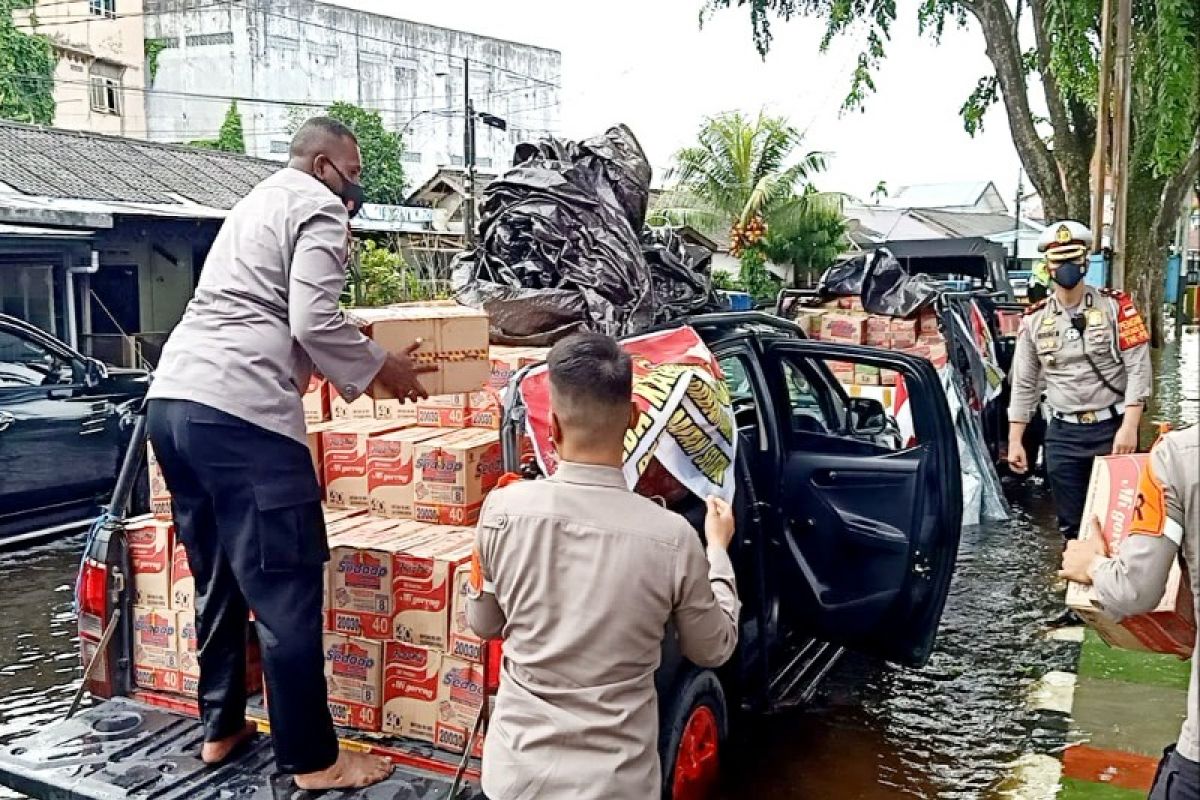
[1040,304]
[1131,328]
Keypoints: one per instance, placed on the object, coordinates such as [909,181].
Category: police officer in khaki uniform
[1090,349]
[581,577]
[1165,526]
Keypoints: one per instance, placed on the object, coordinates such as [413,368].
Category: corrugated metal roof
[49,162]
[939,195]
[968,223]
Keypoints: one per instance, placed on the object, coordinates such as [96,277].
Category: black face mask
[1068,275]
[352,194]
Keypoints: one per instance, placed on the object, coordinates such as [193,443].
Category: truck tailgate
[125,749]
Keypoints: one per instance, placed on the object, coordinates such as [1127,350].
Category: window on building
[207,39]
[103,8]
[411,157]
[279,146]
[483,163]
[456,161]
[105,80]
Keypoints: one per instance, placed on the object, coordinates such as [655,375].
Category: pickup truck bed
[126,749]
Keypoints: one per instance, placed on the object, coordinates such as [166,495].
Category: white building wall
[298,56]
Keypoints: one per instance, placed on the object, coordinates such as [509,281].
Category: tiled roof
[58,163]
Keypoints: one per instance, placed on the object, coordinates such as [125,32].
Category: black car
[847,537]
[65,420]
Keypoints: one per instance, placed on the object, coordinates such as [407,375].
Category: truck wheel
[693,733]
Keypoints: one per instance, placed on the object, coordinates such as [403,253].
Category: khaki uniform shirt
[581,576]
[1050,349]
[266,309]
[1134,581]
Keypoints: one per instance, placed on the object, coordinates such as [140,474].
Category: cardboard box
[361,408]
[316,401]
[189,645]
[344,461]
[888,377]
[354,677]
[454,338]
[485,409]
[460,696]
[183,584]
[316,449]
[390,470]
[843,327]
[151,548]
[903,332]
[464,644]
[843,371]
[443,411]
[424,583]
[810,320]
[1113,496]
[454,473]
[393,410]
[156,649]
[411,677]
[361,571]
[160,496]
[866,375]
[927,322]
[850,303]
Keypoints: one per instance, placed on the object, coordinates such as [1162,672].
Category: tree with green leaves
[808,239]
[383,177]
[1058,70]
[743,176]
[27,65]
[230,138]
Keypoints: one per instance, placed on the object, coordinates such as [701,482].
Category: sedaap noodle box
[390,470]
[344,461]
[362,568]
[1113,496]
[463,643]
[443,411]
[411,676]
[423,585]
[341,410]
[460,697]
[453,474]
[183,584]
[316,401]
[156,649]
[160,496]
[151,547]
[354,678]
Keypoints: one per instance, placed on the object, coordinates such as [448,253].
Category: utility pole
[469,154]
[1103,113]
[1016,262]
[1122,64]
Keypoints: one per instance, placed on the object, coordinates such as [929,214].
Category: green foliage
[381,277]
[723,280]
[754,277]
[809,234]
[153,48]
[229,139]
[26,71]
[982,97]
[383,177]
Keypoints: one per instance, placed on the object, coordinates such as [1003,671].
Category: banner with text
[686,420]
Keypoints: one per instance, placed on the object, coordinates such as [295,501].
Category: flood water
[950,730]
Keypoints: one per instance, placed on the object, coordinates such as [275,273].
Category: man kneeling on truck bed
[580,576]
[227,424]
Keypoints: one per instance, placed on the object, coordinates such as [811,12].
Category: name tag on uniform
[1095,318]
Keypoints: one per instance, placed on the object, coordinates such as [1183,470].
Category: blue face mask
[1069,275]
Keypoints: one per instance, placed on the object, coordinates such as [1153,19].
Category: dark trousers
[1178,778]
[1070,448]
[248,512]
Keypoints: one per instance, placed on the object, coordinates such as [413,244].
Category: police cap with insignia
[1065,241]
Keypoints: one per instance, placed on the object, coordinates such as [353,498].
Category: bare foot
[216,752]
[350,771]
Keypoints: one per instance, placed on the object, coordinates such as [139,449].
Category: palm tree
[740,170]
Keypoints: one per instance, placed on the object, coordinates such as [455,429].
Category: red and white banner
[686,421]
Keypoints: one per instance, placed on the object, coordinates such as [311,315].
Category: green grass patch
[1073,789]
[1098,660]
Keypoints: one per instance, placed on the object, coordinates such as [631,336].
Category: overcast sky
[649,64]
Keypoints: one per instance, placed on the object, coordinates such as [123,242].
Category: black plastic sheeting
[563,247]
[882,282]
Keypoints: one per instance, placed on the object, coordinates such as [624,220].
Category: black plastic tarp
[563,246]
[881,281]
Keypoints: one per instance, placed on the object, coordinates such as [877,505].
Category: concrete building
[100,78]
[288,59]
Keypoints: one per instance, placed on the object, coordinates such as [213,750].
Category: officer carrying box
[1091,350]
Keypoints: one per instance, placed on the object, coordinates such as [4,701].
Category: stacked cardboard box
[160,496]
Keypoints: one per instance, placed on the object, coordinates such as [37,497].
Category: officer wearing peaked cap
[1091,349]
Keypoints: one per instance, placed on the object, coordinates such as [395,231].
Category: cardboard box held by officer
[1113,498]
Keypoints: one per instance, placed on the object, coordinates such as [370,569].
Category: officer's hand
[718,523]
[399,374]
[1126,440]
[1080,554]
[1017,460]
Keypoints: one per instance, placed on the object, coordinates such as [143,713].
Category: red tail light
[93,591]
[491,671]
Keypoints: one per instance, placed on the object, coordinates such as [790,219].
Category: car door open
[871,496]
